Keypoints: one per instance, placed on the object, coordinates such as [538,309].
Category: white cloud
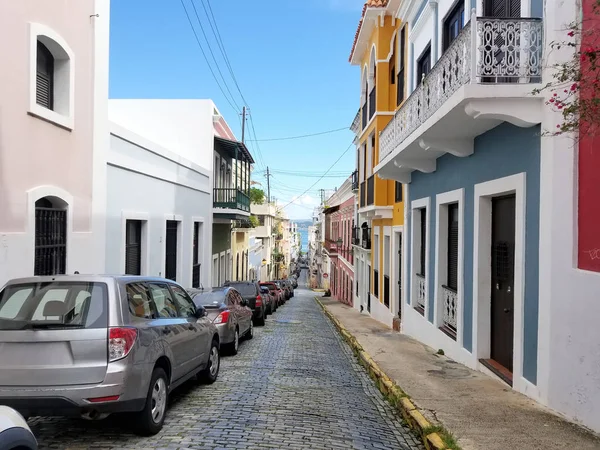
[302,207]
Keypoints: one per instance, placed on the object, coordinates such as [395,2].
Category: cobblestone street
[295,385]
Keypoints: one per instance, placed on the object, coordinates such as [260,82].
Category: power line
[212,54]
[303,135]
[330,167]
[205,57]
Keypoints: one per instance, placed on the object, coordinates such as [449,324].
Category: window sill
[51,117]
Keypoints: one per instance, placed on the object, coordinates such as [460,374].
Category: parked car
[229,312]
[269,300]
[294,281]
[276,292]
[15,434]
[250,291]
[94,345]
[284,287]
[289,285]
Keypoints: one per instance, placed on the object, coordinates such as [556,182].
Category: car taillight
[258,300]
[222,318]
[120,342]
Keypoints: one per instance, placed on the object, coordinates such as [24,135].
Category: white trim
[417,28]
[163,241]
[441,233]
[484,192]
[65,116]
[34,195]
[415,205]
[145,244]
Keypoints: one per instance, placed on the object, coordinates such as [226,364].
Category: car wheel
[250,332]
[150,420]
[235,345]
[210,373]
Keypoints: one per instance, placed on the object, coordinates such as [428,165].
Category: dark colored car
[285,288]
[269,300]
[250,291]
[229,312]
[290,286]
[276,292]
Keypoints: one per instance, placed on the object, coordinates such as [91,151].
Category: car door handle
[166,330]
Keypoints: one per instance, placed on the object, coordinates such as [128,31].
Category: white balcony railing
[492,51]
[421,291]
[449,314]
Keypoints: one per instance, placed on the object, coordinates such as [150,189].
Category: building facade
[262,241]
[490,224]
[339,225]
[380,51]
[53,115]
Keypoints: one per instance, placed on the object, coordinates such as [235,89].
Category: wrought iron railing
[450,299]
[372,102]
[371,190]
[355,235]
[366,238]
[355,127]
[487,51]
[421,293]
[231,198]
[355,180]
[50,241]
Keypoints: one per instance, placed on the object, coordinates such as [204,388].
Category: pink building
[339,221]
[53,135]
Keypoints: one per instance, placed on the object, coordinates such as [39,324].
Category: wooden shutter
[452,281]
[503,8]
[398,193]
[400,84]
[44,77]
[133,247]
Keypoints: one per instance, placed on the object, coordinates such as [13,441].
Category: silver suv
[94,345]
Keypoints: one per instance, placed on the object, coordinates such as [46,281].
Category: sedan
[226,308]
[270,301]
[250,291]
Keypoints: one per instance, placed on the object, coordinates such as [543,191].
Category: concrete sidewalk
[481,412]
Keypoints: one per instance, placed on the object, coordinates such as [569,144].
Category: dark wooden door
[50,239]
[399,274]
[506,61]
[171,250]
[133,247]
[503,276]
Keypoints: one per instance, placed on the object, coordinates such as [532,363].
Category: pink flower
[574,86]
[557,126]
[551,100]
[555,94]
[559,106]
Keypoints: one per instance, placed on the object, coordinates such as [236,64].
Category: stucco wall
[154,185]
[503,151]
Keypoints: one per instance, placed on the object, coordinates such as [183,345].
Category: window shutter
[44,77]
[514,8]
[400,84]
[133,247]
[452,281]
[398,194]
[423,239]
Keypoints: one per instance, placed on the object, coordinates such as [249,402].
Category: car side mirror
[201,312]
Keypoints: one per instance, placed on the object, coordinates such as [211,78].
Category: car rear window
[208,299]
[55,305]
[271,287]
[245,289]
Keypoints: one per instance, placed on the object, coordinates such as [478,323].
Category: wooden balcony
[231,198]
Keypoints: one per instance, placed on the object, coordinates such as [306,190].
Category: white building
[160,170]
[262,241]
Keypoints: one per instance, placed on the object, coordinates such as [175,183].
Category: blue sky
[290,59]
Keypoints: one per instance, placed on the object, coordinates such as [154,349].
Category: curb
[389,389]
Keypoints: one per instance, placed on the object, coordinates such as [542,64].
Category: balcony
[366,238]
[231,198]
[449,297]
[355,127]
[488,72]
[355,235]
[371,190]
[331,246]
[355,180]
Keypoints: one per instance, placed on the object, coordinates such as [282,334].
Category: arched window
[44,88]
[50,236]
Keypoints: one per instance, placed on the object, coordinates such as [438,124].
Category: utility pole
[243,124]
[268,186]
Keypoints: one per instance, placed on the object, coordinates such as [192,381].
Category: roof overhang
[233,148]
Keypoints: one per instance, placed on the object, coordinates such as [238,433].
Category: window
[261,219]
[376,264]
[139,301]
[398,193]
[423,243]
[386,270]
[133,247]
[162,299]
[44,85]
[452,275]
[401,75]
[453,24]
[50,237]
[186,306]
[424,64]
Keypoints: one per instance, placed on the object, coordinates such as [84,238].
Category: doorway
[503,277]
[171,250]
[50,237]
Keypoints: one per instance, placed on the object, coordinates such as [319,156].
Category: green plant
[257,196]
[253,221]
[575,89]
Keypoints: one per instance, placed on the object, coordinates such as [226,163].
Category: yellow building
[379,50]
[239,250]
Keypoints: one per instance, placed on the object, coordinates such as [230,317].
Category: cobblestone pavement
[296,385]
